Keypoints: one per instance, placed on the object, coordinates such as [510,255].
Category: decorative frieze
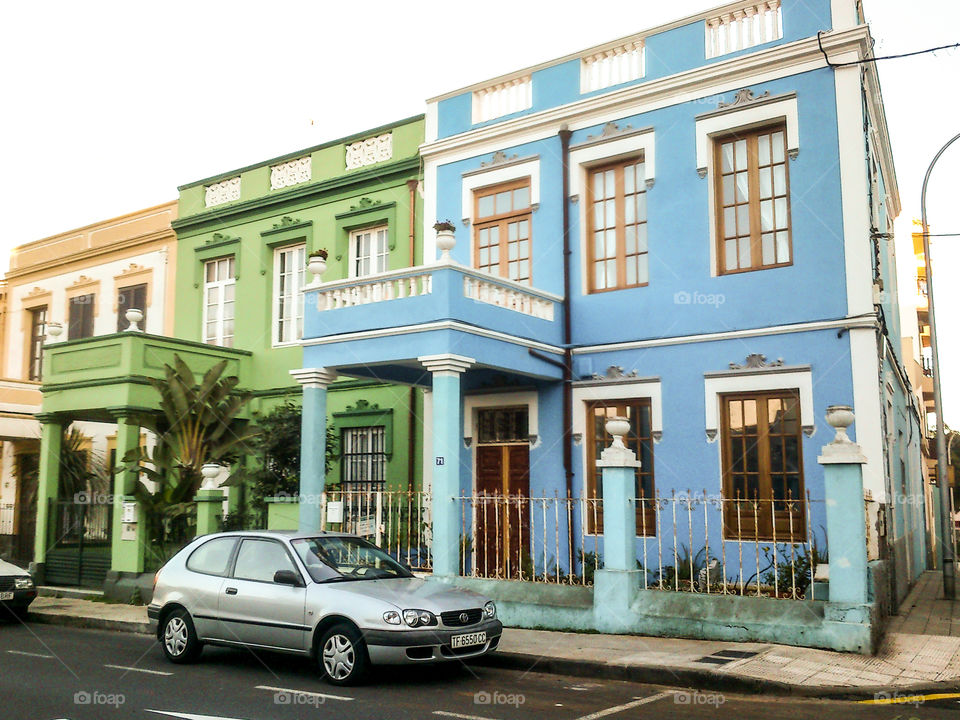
[222,192]
[370,151]
[292,172]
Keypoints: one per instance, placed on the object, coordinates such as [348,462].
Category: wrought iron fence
[7,519]
[398,521]
[536,539]
[686,542]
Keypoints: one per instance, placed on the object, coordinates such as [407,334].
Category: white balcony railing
[502,99]
[411,282]
[754,24]
[612,66]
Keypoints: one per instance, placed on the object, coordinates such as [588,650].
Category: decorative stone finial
[209,471]
[841,449]
[54,329]
[618,454]
[133,316]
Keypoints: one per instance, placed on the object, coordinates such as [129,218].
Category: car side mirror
[287,577]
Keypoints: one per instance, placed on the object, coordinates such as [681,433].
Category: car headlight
[23,583]
[419,618]
[391,617]
[490,610]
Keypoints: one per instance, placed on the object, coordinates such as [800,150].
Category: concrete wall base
[126,587]
[658,613]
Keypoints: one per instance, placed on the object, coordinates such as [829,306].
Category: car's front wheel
[179,638]
[342,655]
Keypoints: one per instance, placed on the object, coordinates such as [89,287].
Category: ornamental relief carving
[222,192]
[370,151]
[290,173]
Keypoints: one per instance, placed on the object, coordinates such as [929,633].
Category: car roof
[289,534]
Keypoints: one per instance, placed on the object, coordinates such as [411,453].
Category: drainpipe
[564,135]
[412,400]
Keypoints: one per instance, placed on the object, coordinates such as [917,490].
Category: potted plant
[445,237]
[317,262]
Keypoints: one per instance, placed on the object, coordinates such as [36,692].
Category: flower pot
[317,266]
[618,427]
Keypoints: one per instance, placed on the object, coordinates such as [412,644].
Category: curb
[696,678]
[91,623]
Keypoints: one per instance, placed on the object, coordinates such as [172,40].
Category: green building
[243,242]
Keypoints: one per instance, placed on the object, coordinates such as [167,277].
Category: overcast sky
[110,106]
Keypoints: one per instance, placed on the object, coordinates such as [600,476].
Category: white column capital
[446,363]
[314,377]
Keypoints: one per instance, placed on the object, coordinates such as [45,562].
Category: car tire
[342,655]
[178,638]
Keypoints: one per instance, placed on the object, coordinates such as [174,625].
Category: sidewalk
[908,662]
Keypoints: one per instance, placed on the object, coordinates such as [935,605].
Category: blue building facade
[690,227]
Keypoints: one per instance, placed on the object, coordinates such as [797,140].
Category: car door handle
[231,591]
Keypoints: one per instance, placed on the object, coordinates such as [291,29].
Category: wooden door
[502,512]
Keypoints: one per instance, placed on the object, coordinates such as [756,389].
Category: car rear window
[213,556]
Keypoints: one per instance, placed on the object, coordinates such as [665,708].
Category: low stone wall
[658,613]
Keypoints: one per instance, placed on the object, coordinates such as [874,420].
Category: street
[57,672]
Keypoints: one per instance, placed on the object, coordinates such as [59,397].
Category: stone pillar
[209,509]
[615,586]
[129,540]
[313,443]
[48,486]
[842,462]
[446,440]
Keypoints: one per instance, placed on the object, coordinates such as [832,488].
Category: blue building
[690,227]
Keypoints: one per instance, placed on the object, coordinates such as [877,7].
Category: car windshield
[333,559]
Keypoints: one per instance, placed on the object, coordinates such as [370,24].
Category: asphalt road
[51,672]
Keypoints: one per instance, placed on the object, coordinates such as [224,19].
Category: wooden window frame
[219,337]
[502,221]
[298,273]
[32,341]
[621,233]
[753,183]
[744,527]
[88,316]
[645,512]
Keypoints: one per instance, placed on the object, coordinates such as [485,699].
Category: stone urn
[617,427]
[317,265]
[840,417]
[54,329]
[134,317]
[210,471]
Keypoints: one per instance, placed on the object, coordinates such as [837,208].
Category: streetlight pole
[946,522]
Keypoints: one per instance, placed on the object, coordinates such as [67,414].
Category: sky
[109,106]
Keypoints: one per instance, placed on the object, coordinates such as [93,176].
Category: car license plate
[6,596]
[462,641]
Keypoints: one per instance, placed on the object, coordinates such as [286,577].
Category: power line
[877,59]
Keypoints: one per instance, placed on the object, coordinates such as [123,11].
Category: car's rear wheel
[342,655]
[179,638]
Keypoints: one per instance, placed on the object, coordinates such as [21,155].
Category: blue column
[447,434]
[616,585]
[313,444]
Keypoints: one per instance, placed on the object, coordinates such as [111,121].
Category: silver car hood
[413,593]
[7,569]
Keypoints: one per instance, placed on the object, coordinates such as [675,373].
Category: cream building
[72,285]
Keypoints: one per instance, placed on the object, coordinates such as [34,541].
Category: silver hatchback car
[334,597]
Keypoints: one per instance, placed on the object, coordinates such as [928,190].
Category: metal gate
[79,554]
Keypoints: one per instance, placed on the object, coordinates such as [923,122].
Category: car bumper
[21,598]
[401,647]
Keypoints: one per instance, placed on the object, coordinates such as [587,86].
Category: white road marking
[444,713]
[626,706]
[294,691]
[136,669]
[191,716]
[30,654]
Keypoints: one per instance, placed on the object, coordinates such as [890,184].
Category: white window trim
[473,403]
[218,337]
[477,179]
[641,388]
[592,154]
[352,250]
[788,378]
[719,122]
[275,289]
